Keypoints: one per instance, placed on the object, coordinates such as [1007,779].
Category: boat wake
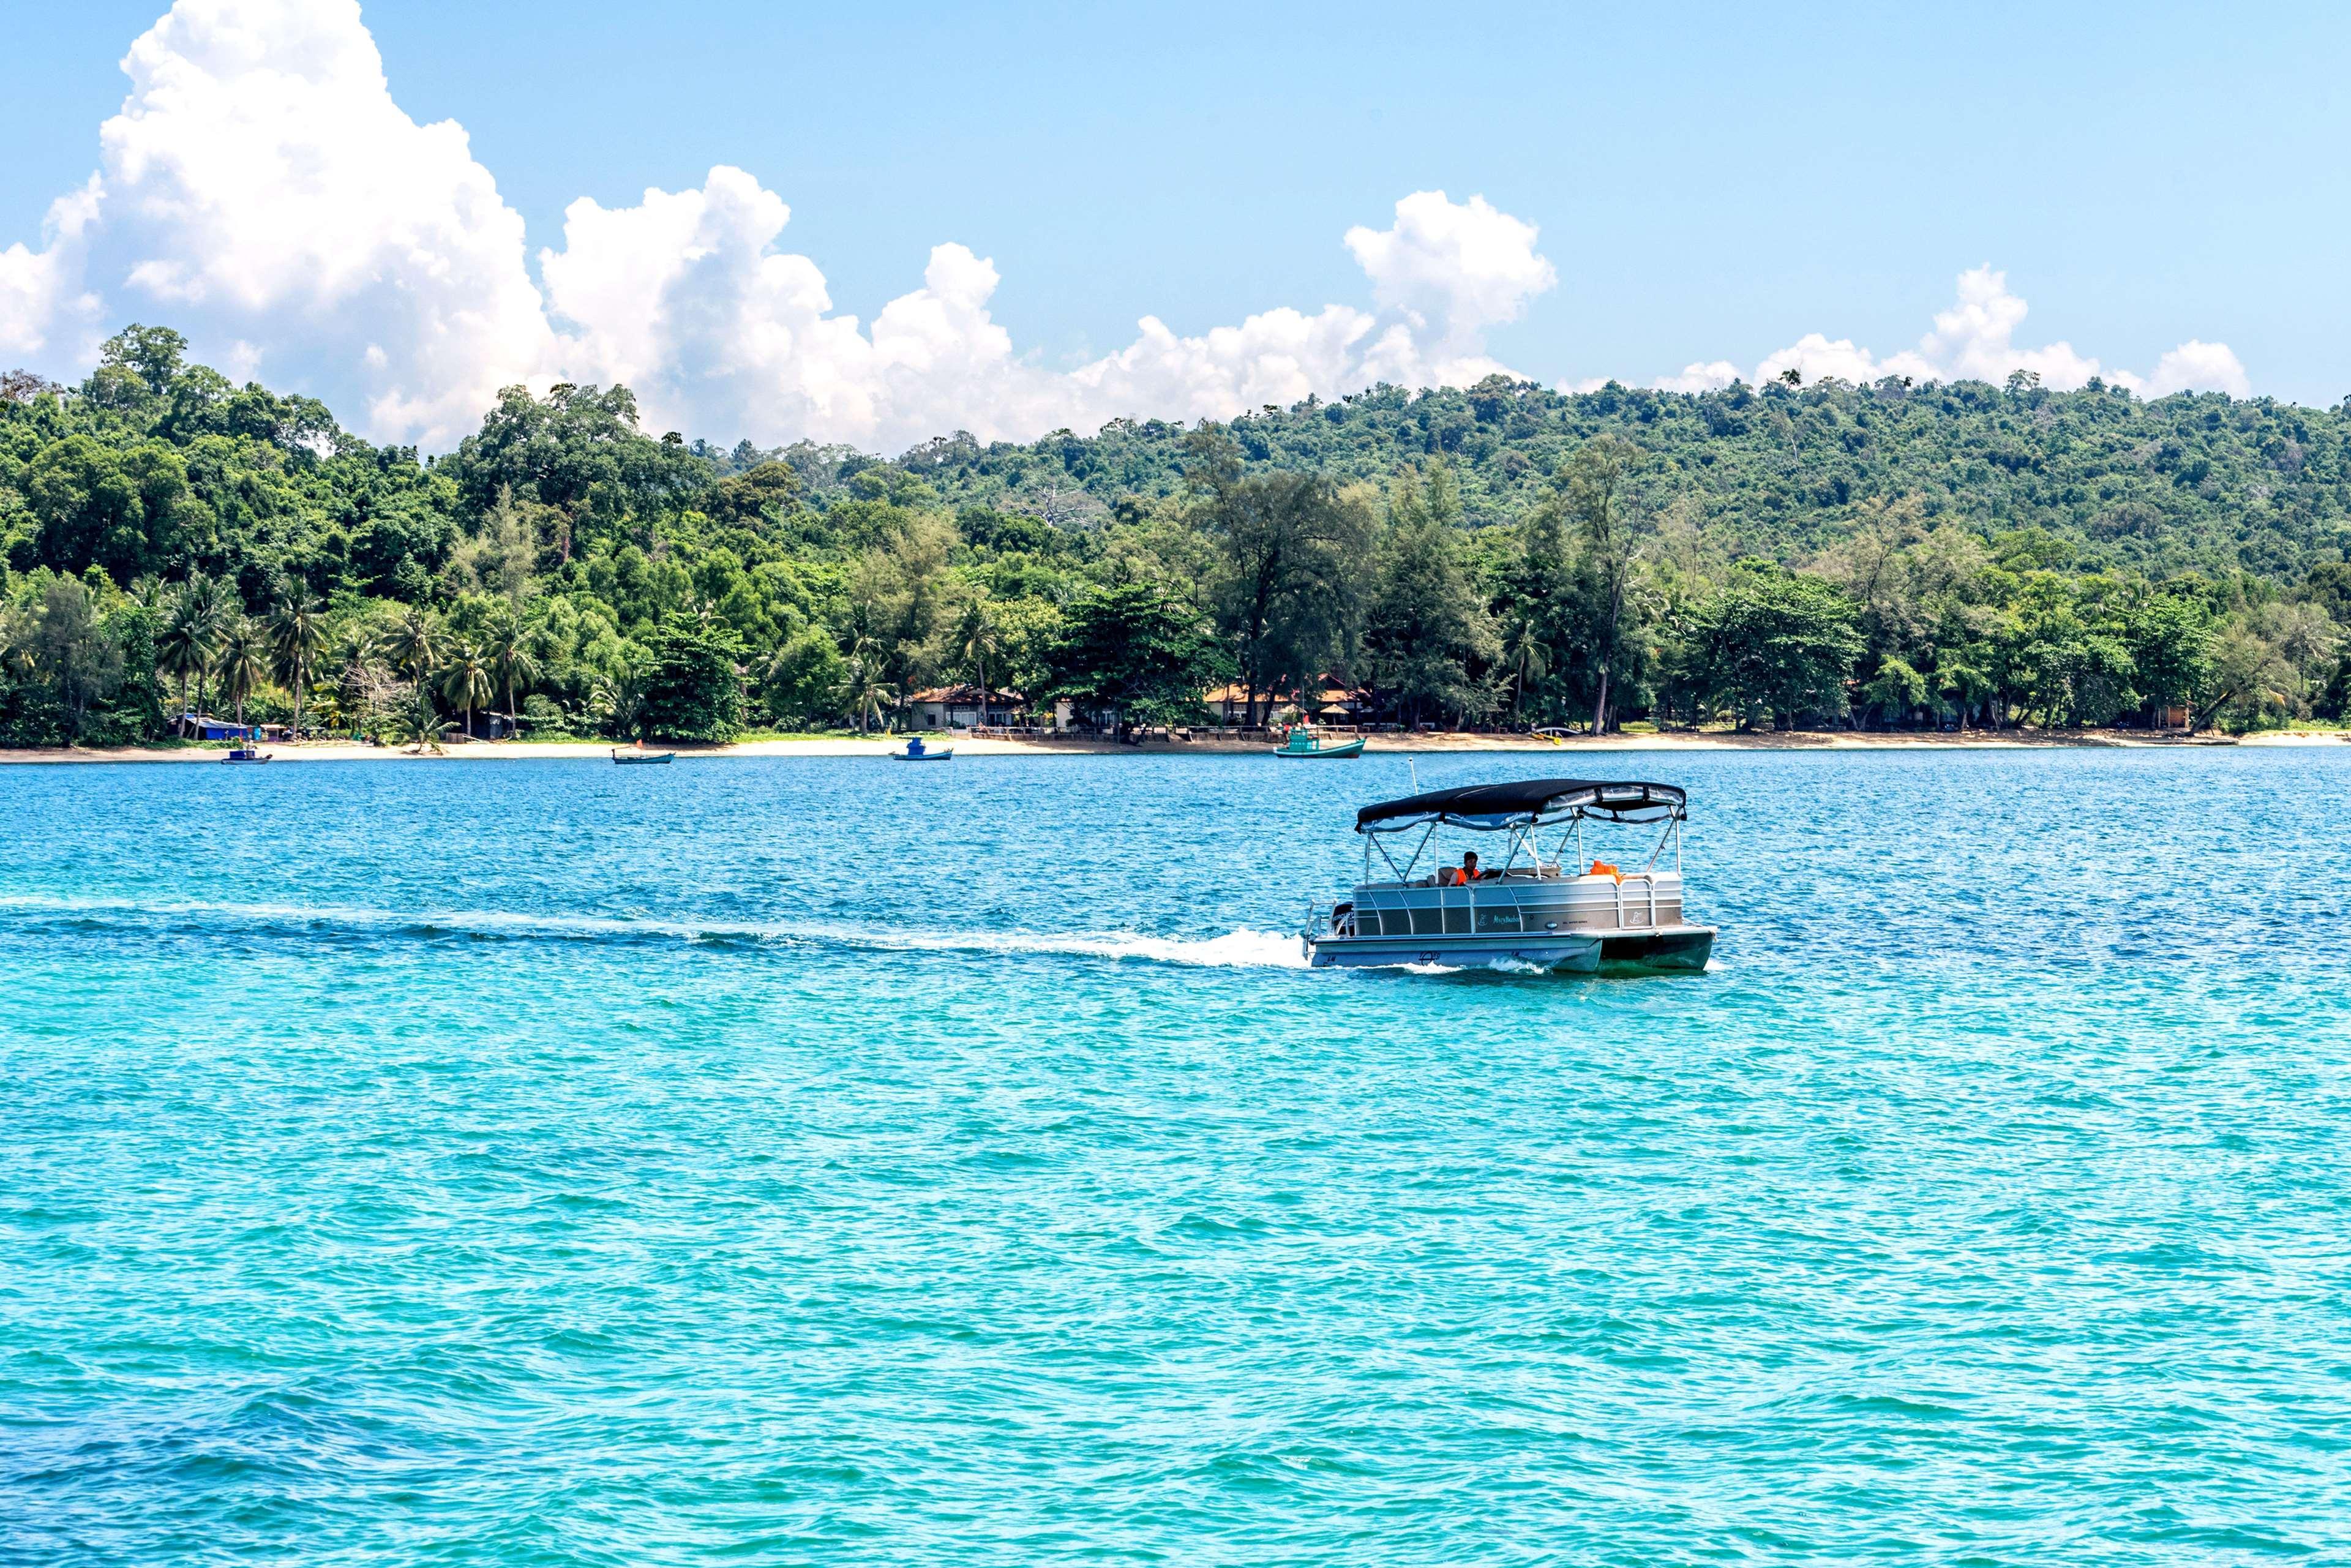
[1242,948]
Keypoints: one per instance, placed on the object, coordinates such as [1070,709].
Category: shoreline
[1418,745]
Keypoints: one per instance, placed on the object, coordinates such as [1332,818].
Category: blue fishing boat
[915,751]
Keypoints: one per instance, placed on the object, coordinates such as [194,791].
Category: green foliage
[1428,628]
[805,684]
[693,690]
[1894,555]
[1136,653]
[1772,647]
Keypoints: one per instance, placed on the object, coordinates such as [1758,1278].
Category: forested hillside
[1893,555]
[2192,482]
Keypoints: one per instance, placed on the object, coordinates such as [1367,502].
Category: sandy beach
[851,746]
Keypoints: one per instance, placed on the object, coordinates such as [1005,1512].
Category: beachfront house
[1229,705]
[959,707]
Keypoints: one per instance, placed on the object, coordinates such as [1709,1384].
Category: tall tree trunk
[1600,703]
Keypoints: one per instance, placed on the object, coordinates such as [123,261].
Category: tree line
[172,544]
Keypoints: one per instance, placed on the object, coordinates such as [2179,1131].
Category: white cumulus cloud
[261,185]
[685,297]
[1975,339]
[41,297]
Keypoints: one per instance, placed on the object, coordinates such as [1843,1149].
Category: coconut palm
[511,660]
[619,701]
[1523,648]
[243,664]
[976,639]
[415,642]
[215,604]
[870,695]
[466,680]
[297,634]
[418,724]
[188,638]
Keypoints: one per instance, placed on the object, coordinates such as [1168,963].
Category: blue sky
[1711,182]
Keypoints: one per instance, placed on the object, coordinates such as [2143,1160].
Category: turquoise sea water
[827,1161]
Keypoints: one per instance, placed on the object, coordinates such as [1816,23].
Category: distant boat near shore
[643,758]
[1305,742]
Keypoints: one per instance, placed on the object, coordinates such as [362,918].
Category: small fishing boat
[1551,909]
[1303,742]
[246,754]
[915,751]
[643,758]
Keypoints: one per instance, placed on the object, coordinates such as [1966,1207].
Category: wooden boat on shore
[1303,742]
[1556,911]
[641,758]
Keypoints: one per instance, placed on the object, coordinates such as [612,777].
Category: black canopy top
[1486,806]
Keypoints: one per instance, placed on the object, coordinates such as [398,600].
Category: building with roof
[960,706]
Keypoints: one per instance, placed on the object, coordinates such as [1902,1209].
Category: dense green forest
[1893,555]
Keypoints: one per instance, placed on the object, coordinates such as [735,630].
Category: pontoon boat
[1556,911]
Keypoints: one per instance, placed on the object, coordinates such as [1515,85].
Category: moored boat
[246,754]
[915,751]
[628,758]
[1553,910]
[1303,742]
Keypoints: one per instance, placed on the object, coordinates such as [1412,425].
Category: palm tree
[216,605]
[510,658]
[1524,650]
[419,725]
[415,641]
[295,636]
[244,662]
[466,680]
[869,694]
[190,635]
[619,699]
[976,639]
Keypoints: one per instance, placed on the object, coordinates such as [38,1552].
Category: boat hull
[1675,949]
[1345,749]
[946,756]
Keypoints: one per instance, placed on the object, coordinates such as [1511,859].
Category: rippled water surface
[824,1161]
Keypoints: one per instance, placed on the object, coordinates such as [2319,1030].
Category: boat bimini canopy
[1491,808]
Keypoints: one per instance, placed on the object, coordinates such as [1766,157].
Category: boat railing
[1644,899]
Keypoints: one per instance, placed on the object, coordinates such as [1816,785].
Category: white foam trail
[1242,948]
